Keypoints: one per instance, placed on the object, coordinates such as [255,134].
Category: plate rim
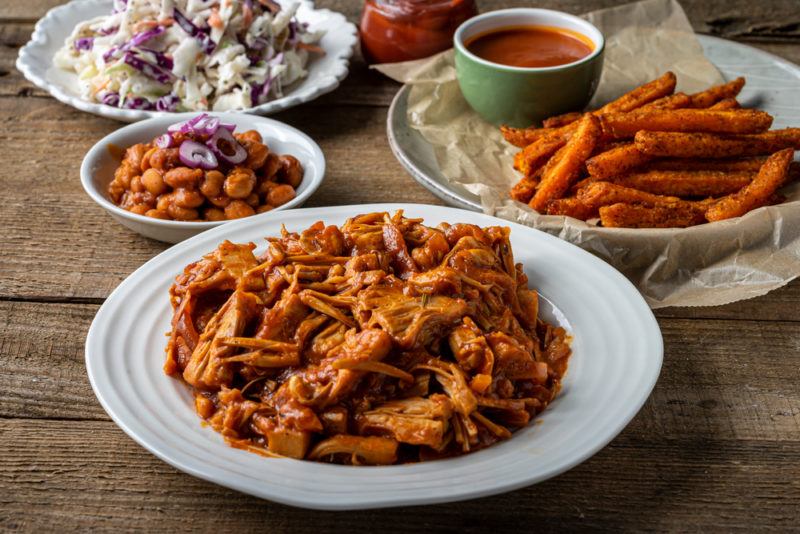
[28,56]
[94,337]
[441,192]
[453,198]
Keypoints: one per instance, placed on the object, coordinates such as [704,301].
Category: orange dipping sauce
[531,46]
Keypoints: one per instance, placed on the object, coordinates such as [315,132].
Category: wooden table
[717,446]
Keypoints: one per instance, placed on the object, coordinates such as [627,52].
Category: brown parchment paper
[706,265]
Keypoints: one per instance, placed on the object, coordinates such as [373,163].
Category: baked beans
[153,182]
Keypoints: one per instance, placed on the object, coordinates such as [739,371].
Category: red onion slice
[186,126]
[195,155]
[227,126]
[164,141]
[226,147]
[206,126]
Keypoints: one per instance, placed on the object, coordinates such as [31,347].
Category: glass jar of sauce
[402,30]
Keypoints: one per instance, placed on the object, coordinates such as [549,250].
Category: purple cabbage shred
[162,60]
[188,26]
[135,41]
[167,103]
[111,99]
[148,69]
[84,43]
[138,102]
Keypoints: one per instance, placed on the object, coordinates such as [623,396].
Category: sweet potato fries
[654,158]
[380,342]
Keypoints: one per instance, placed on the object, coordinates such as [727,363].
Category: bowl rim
[588,29]
[97,149]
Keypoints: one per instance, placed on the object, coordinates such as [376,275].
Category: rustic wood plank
[27,11]
[42,373]
[719,377]
[717,446]
[773,27]
[66,475]
[789,51]
[773,19]
[779,305]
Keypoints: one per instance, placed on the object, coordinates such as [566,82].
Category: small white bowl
[99,164]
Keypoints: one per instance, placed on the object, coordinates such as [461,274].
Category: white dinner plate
[773,85]
[35,59]
[617,355]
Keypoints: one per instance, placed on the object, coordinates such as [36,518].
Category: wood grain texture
[67,475]
[771,25]
[734,18]
[716,447]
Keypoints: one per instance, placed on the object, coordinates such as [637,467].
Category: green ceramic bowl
[521,96]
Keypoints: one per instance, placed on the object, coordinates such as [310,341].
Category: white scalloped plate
[35,59]
[617,355]
[773,84]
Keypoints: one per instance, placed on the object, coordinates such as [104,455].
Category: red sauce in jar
[402,30]
[531,46]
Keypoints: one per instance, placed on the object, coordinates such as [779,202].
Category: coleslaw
[189,55]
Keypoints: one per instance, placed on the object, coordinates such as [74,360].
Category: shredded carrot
[215,21]
[143,25]
[100,87]
[311,48]
[247,15]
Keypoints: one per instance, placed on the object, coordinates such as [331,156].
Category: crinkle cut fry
[773,175]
